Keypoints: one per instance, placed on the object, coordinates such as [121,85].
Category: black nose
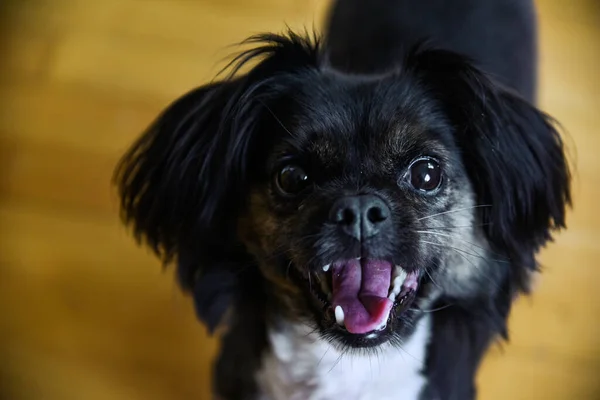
[360,216]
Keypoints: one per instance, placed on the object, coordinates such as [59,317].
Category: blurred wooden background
[85,314]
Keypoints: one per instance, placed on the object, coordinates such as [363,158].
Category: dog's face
[349,203]
[363,204]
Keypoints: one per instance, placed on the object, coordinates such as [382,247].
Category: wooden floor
[85,314]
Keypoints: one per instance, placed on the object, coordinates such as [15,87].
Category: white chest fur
[302,366]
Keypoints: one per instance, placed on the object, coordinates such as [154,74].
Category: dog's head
[351,203]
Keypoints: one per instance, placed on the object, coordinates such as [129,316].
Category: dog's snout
[360,216]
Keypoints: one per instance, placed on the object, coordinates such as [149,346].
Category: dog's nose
[360,216]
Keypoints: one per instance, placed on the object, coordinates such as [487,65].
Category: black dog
[360,213]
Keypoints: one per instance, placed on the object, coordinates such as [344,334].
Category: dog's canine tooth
[398,278]
[326,267]
[398,281]
[339,315]
[399,271]
[396,288]
[402,274]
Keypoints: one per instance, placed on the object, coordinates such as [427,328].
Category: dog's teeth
[402,274]
[398,271]
[396,286]
[339,315]
[398,281]
[326,267]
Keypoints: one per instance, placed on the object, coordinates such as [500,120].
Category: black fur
[186,183]
[512,151]
[183,182]
[525,174]
[499,35]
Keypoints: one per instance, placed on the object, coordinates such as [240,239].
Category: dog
[358,211]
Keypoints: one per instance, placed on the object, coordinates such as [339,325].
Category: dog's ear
[511,150]
[167,180]
[172,193]
[183,183]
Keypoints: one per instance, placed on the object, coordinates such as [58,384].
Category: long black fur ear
[511,150]
[184,181]
[171,193]
[167,180]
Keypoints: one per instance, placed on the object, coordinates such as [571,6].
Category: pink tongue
[361,289]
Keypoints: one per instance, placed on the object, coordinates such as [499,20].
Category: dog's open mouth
[362,293]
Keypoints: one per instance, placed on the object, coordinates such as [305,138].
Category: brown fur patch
[258,229]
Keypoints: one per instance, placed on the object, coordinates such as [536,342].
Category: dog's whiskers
[323,356]
[431,277]
[457,249]
[430,232]
[462,226]
[276,118]
[315,329]
[343,353]
[287,270]
[432,310]
[410,355]
[460,253]
[453,211]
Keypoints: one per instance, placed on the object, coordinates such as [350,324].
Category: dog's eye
[291,180]
[425,174]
